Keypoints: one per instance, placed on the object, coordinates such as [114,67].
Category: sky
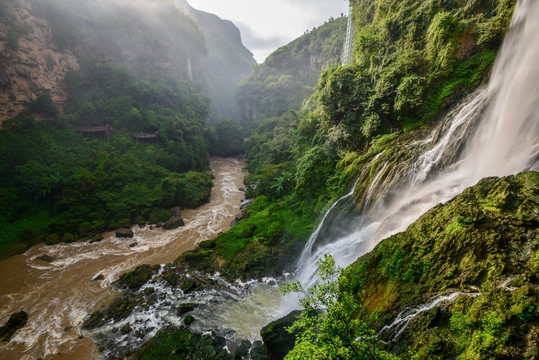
[266,25]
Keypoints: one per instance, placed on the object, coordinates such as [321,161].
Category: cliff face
[42,40]
[226,64]
[30,63]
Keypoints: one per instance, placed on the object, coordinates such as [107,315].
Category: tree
[327,327]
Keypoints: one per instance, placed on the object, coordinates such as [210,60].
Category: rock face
[40,41]
[277,341]
[175,220]
[30,63]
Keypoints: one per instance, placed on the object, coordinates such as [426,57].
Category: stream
[58,295]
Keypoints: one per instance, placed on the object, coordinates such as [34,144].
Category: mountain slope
[226,63]
[289,74]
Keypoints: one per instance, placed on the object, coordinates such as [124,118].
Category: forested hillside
[126,68]
[288,75]
[413,63]
[59,185]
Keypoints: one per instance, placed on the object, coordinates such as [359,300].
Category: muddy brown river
[58,295]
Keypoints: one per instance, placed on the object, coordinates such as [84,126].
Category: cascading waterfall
[401,321]
[506,142]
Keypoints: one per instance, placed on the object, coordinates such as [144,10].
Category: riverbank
[57,295]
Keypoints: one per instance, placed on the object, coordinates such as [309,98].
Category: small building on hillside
[145,138]
[99,132]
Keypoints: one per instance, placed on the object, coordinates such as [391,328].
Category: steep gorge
[30,61]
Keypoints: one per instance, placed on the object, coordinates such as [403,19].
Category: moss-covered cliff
[480,251]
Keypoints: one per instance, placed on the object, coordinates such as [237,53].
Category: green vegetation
[302,160]
[327,328]
[412,60]
[57,185]
[226,138]
[287,77]
[468,246]
[181,344]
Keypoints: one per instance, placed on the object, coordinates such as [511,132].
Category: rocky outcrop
[30,63]
[175,221]
[277,341]
[463,280]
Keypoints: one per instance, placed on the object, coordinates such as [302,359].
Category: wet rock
[149,291]
[173,223]
[277,341]
[186,345]
[132,245]
[207,244]
[189,319]
[242,350]
[45,258]
[185,308]
[136,278]
[124,233]
[16,321]
[159,224]
[258,352]
[189,285]
[99,277]
[126,329]
[95,320]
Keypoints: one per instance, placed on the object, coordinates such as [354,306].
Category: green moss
[460,246]
[136,278]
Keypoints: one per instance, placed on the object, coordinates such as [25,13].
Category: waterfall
[505,116]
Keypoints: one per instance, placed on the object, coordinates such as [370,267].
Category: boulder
[15,322]
[185,308]
[277,341]
[124,233]
[136,278]
[189,319]
[45,258]
[99,277]
[173,223]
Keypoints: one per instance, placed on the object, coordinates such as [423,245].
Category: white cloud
[268,24]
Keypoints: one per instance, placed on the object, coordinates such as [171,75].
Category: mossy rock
[136,278]
[188,320]
[185,308]
[182,344]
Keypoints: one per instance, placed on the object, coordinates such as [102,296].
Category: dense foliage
[289,74]
[57,185]
[326,327]
[226,138]
[412,58]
